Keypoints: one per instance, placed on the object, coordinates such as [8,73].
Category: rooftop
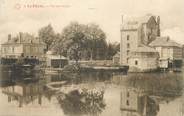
[164,42]
[22,38]
[144,48]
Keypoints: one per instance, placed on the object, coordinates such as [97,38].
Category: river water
[134,94]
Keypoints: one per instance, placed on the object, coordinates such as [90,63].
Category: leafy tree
[113,48]
[96,41]
[74,40]
[47,35]
[79,41]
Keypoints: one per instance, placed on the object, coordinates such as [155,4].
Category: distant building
[134,103]
[135,32]
[116,58]
[24,45]
[143,59]
[55,61]
[169,51]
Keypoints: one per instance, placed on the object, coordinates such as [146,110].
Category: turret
[158,26]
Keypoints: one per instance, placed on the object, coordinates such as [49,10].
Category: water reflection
[24,92]
[135,103]
[122,95]
[82,101]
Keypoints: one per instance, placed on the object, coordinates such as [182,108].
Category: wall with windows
[11,50]
[170,52]
[129,42]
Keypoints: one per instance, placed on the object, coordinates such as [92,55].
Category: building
[116,58]
[55,61]
[24,45]
[143,59]
[135,103]
[136,32]
[169,51]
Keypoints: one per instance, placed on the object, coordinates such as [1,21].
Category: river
[134,94]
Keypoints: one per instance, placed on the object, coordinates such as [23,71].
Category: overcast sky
[16,17]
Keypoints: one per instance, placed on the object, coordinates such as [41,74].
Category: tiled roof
[144,48]
[25,38]
[164,41]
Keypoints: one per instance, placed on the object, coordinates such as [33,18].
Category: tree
[113,48]
[47,35]
[96,41]
[79,41]
[58,47]
[74,40]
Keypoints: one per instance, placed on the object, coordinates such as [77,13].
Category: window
[127,60]
[13,49]
[136,62]
[128,45]
[128,37]
[128,52]
[128,94]
[127,103]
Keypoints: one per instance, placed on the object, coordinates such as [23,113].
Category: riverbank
[85,68]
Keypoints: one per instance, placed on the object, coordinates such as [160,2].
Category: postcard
[91,57]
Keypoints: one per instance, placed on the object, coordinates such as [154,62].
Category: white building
[170,52]
[24,45]
[143,59]
[135,33]
[56,61]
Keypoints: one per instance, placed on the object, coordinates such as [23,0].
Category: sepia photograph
[91,58]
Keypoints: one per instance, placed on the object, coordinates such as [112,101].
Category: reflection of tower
[135,103]
[182,106]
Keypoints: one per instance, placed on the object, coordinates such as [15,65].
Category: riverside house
[23,45]
[170,52]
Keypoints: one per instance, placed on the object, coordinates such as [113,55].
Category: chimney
[9,37]
[158,24]
[20,37]
[122,19]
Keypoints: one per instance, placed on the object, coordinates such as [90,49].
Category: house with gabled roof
[170,52]
[23,45]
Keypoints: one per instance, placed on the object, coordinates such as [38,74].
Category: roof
[164,42]
[56,57]
[135,22]
[51,55]
[23,38]
[144,48]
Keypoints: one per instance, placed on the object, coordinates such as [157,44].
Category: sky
[21,16]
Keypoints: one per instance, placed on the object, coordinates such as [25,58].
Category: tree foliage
[47,35]
[79,42]
[113,48]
